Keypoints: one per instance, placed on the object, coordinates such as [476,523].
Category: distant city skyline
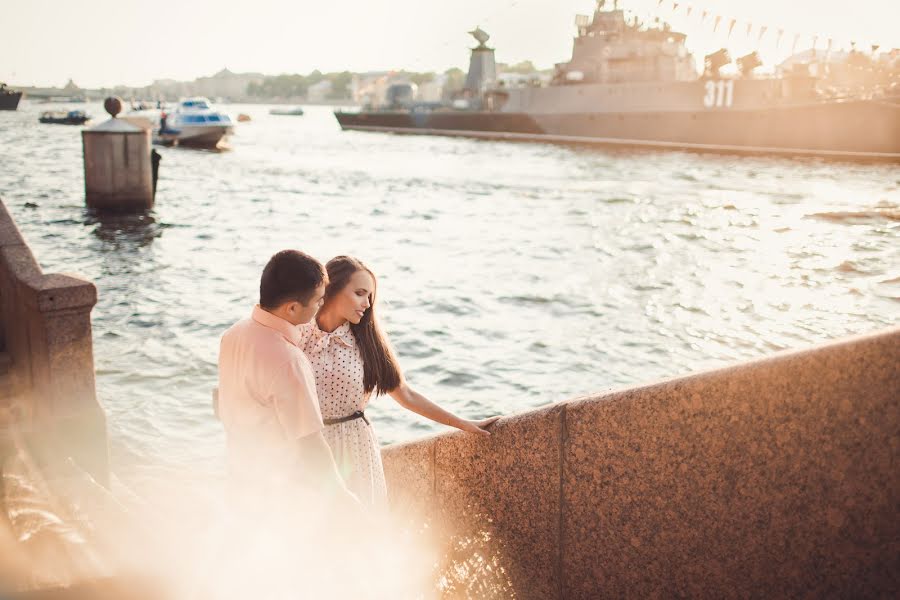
[103,43]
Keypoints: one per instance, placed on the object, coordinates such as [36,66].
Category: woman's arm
[412,400]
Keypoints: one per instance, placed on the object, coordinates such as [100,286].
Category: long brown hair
[380,370]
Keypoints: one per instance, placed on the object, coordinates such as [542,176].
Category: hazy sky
[106,42]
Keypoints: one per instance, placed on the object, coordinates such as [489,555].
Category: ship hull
[860,129]
[207,137]
[10,101]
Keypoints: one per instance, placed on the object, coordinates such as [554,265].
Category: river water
[510,274]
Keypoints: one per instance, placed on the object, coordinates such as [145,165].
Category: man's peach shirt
[267,396]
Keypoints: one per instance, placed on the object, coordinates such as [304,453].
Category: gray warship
[631,85]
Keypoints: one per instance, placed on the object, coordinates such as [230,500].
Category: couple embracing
[295,379]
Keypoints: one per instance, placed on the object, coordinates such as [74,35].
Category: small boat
[63,117]
[194,122]
[243,117]
[9,99]
[287,111]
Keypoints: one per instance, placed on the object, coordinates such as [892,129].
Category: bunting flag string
[756,32]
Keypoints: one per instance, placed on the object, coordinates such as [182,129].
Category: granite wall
[47,397]
[773,478]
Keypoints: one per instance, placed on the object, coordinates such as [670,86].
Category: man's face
[303,313]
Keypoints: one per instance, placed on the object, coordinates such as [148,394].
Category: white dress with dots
[338,366]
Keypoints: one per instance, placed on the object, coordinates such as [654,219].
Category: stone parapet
[772,478]
[49,402]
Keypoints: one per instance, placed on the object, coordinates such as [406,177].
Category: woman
[351,358]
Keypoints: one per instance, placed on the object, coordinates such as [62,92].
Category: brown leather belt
[357,415]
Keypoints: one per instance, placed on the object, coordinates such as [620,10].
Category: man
[267,390]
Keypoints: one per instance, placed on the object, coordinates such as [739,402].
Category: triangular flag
[778,39]
[689,9]
[749,28]
[762,32]
[716,26]
[703,16]
[731,25]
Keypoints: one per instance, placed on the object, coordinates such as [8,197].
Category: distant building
[225,84]
[71,89]
[369,88]
[432,91]
[319,92]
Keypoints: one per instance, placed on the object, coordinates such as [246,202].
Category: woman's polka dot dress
[338,366]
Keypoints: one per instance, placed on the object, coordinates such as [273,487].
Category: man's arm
[294,398]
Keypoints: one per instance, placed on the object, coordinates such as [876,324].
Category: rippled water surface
[510,274]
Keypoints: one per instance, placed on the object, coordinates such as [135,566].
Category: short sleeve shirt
[267,394]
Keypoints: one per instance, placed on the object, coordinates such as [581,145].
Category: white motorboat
[194,122]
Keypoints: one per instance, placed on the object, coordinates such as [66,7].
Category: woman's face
[352,302]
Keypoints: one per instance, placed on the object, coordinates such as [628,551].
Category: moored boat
[287,111]
[64,117]
[194,122]
[9,99]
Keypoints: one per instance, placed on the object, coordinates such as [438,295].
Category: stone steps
[69,530]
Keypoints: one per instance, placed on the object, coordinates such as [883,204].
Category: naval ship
[628,84]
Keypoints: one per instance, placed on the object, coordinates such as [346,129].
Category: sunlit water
[510,274]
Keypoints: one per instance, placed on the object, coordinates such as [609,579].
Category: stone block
[498,500]
[409,471]
[776,478]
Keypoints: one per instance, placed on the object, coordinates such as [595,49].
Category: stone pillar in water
[118,173]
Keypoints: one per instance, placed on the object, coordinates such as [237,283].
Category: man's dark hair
[289,276]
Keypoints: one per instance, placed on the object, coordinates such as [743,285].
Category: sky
[101,43]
